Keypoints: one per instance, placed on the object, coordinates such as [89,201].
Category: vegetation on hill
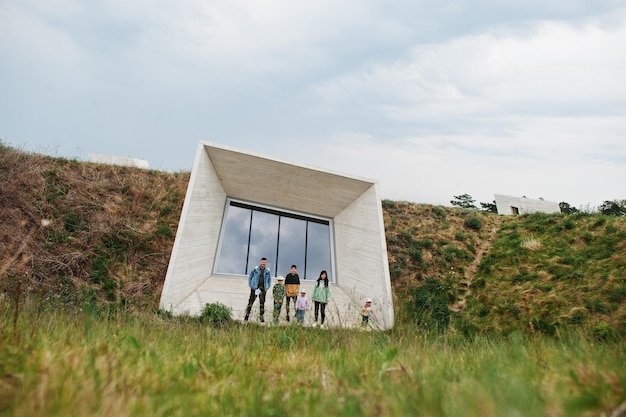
[107,233]
[496,315]
[74,232]
[546,271]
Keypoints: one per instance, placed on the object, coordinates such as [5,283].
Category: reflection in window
[250,233]
[318,250]
[234,253]
[292,245]
[263,238]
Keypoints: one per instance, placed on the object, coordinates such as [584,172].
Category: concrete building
[128,161]
[240,207]
[510,205]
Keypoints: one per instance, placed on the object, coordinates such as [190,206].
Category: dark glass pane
[263,239]
[234,250]
[318,251]
[291,244]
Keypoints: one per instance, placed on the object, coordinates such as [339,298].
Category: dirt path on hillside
[471,269]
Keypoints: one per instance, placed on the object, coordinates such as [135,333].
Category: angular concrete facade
[509,205]
[352,205]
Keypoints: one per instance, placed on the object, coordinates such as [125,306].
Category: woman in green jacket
[321,297]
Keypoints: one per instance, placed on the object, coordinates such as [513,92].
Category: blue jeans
[300,316]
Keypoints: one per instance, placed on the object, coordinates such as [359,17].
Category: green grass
[547,271]
[541,333]
[58,362]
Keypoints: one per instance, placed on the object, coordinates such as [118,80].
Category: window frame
[279,212]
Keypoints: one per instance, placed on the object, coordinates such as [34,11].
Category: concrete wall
[197,236]
[118,160]
[506,204]
[361,264]
[361,255]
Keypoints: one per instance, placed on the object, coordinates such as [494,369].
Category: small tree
[464,201]
[566,208]
[490,207]
[613,208]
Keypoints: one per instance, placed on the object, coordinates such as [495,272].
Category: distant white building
[127,161]
[241,206]
[510,205]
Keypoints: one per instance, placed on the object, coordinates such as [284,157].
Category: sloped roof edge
[266,180]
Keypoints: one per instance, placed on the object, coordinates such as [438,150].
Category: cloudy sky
[431,98]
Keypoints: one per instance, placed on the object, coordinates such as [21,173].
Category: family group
[260,281]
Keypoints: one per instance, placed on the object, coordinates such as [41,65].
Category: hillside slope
[74,233]
[547,271]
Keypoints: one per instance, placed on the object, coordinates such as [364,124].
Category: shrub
[524,276]
[473,223]
[439,211]
[216,314]
[388,204]
[405,237]
[450,253]
[569,224]
[595,305]
[577,317]
[423,243]
[430,304]
[415,254]
[166,210]
[166,314]
[605,333]
[395,272]
[164,231]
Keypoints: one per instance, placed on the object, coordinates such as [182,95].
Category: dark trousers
[320,308]
[261,302]
[294,302]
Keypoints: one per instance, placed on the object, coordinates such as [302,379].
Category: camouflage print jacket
[279,292]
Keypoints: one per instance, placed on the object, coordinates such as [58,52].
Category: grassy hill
[82,233]
[85,249]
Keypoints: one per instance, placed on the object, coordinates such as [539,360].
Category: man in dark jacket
[292,285]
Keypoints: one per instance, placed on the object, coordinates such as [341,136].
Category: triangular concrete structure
[351,204]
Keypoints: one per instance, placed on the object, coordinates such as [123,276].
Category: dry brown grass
[112,228]
[126,216]
[531,244]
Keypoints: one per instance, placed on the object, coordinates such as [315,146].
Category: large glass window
[252,232]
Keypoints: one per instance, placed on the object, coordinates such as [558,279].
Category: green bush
[569,224]
[430,304]
[450,253]
[395,272]
[439,211]
[388,204]
[216,314]
[415,254]
[605,333]
[473,223]
[164,231]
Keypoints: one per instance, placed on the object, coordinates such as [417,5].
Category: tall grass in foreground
[66,362]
